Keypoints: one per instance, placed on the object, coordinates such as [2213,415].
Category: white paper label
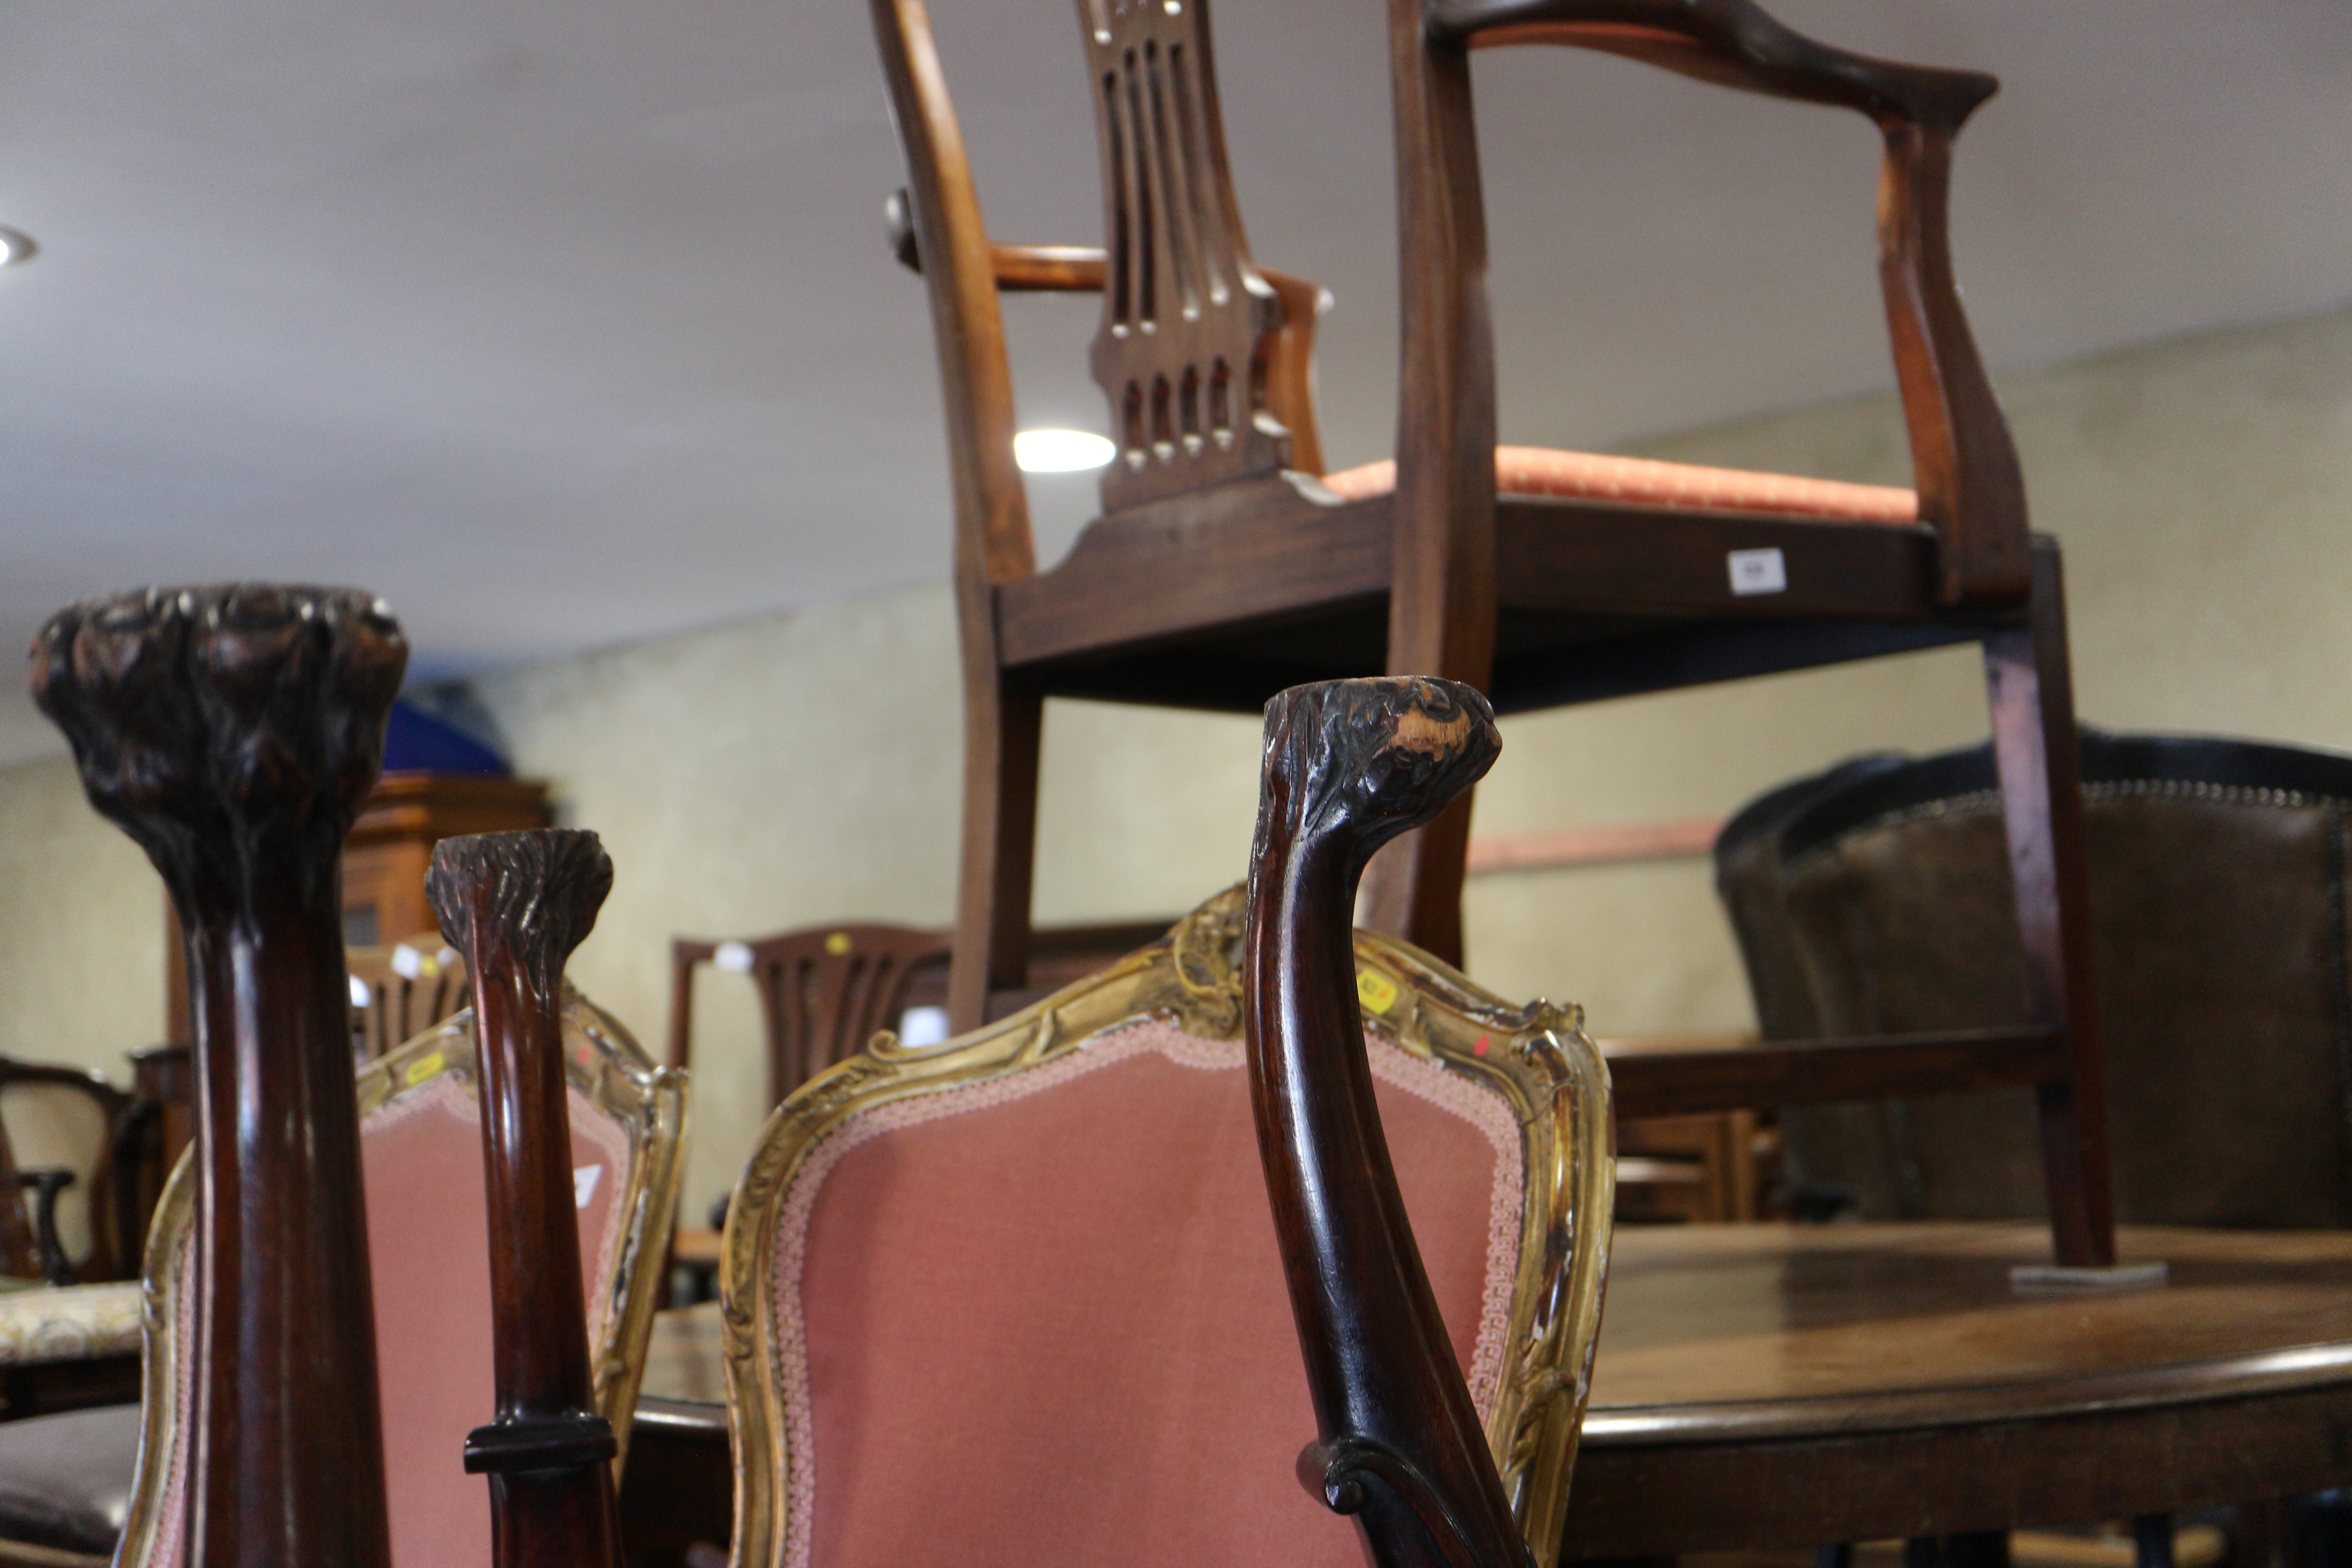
[583,1184]
[407,962]
[1759,572]
[921,1026]
[734,957]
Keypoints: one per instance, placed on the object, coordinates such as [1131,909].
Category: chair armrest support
[45,1185]
[1964,463]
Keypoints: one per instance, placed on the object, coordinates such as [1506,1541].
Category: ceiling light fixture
[1060,451]
[17,246]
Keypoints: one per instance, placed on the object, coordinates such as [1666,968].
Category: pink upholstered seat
[1587,476]
[428,1253]
[1039,1319]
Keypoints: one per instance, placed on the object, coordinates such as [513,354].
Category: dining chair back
[400,991]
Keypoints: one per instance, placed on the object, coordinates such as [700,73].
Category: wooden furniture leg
[2032,701]
[233,732]
[1003,731]
[1349,765]
[517,904]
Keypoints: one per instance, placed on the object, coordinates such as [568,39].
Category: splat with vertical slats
[1188,323]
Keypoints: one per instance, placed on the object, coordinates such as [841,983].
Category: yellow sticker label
[837,944]
[425,1067]
[1377,992]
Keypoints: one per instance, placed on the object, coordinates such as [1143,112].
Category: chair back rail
[233,732]
[1964,463]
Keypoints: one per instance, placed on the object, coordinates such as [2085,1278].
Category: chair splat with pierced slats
[1188,324]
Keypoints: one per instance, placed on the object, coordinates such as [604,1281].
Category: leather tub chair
[1876,897]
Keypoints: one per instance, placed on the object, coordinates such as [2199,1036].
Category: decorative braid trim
[1425,1080]
[172,1509]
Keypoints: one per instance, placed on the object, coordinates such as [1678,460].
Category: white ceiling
[562,325]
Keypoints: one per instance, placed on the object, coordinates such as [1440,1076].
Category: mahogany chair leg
[1413,888]
[1348,766]
[2034,747]
[233,731]
[1003,731]
[517,904]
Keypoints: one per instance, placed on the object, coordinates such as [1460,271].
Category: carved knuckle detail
[194,711]
[538,893]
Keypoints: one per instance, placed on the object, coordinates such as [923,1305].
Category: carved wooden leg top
[233,731]
[517,904]
[1349,765]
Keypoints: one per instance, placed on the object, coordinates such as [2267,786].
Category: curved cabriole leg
[516,904]
[1349,764]
[233,731]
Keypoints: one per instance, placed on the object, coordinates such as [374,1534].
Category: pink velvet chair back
[421,1146]
[1018,1299]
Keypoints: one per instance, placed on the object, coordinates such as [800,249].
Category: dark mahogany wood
[517,904]
[2036,755]
[233,732]
[1349,766]
[1682,1083]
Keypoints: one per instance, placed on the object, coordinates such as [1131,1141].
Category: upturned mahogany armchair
[1223,567]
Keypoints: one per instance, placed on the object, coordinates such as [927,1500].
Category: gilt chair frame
[1536,1057]
[602,1061]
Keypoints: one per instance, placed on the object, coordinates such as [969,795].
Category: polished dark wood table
[1773,1385]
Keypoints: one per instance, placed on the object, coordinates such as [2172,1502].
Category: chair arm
[1733,43]
[46,1184]
[1964,463]
[1081,268]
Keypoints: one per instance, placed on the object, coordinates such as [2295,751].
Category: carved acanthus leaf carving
[219,725]
[538,891]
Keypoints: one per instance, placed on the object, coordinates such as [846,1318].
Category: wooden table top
[1766,1384]
[1757,1327]
[1714,1329]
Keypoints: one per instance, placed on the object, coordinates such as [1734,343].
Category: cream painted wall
[82,928]
[795,769]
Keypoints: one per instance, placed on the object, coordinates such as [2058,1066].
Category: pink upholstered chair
[429,1256]
[1023,1285]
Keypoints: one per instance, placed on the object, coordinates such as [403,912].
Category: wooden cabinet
[385,858]
[391,843]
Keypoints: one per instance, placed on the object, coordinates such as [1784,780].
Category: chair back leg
[1003,731]
[2034,748]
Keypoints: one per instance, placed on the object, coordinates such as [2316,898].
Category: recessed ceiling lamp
[17,246]
[1060,451]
